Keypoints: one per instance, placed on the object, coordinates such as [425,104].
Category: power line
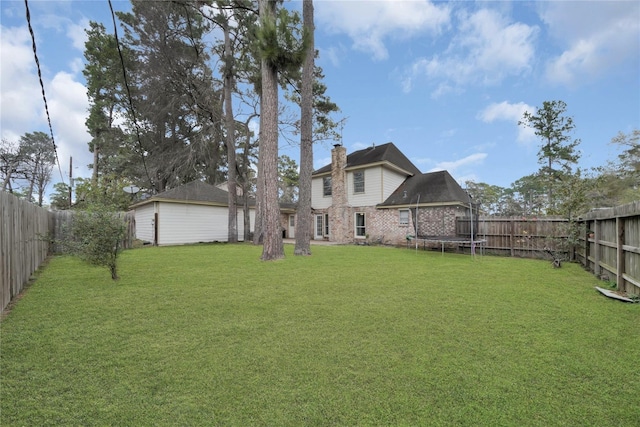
[44,96]
[126,85]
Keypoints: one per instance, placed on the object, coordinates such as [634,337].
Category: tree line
[26,166]
[207,90]
[191,90]
[560,186]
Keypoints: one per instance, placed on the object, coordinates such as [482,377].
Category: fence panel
[61,222]
[517,236]
[613,250]
[23,244]
[631,254]
[28,234]
[610,246]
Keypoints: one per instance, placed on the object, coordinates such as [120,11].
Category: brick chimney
[339,220]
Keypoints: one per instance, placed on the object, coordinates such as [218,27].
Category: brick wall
[383,225]
[340,220]
[438,221]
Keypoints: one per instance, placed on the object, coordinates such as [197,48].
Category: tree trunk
[96,159]
[259,225]
[245,184]
[231,136]
[43,179]
[304,216]
[32,178]
[273,247]
[13,164]
[550,180]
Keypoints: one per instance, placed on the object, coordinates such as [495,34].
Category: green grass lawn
[351,336]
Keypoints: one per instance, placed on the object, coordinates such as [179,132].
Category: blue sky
[445,82]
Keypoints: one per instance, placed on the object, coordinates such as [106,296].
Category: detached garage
[192,213]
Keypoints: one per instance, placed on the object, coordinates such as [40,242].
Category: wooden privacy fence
[61,221]
[518,236]
[611,245]
[27,236]
[23,243]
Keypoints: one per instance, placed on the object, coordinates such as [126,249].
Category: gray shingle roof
[382,153]
[195,192]
[433,187]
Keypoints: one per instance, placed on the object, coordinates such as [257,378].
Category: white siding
[180,223]
[372,188]
[318,201]
[391,180]
[379,183]
[144,222]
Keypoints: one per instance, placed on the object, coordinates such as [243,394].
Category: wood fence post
[596,248]
[620,267]
[511,236]
[585,260]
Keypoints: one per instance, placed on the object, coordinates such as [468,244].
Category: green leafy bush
[95,236]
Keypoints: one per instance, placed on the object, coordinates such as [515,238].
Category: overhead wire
[44,96]
[129,97]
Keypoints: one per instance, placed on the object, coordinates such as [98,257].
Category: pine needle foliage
[283,43]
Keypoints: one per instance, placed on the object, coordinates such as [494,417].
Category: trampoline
[442,240]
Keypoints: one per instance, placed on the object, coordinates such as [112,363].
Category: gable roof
[433,188]
[382,154]
[195,192]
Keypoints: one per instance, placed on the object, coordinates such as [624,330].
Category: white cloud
[597,36]
[451,166]
[463,179]
[370,23]
[503,111]
[76,32]
[69,109]
[422,161]
[512,113]
[19,88]
[359,146]
[333,54]
[487,48]
[76,65]
[23,107]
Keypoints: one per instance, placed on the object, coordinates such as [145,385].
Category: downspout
[473,245]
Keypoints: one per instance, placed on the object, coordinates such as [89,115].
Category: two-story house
[378,194]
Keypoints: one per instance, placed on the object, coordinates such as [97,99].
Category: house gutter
[191,202]
[386,164]
[422,205]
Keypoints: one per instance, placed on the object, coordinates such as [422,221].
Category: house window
[358,182]
[326,186]
[404,216]
[292,221]
[326,224]
[361,230]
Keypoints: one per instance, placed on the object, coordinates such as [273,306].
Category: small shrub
[95,236]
